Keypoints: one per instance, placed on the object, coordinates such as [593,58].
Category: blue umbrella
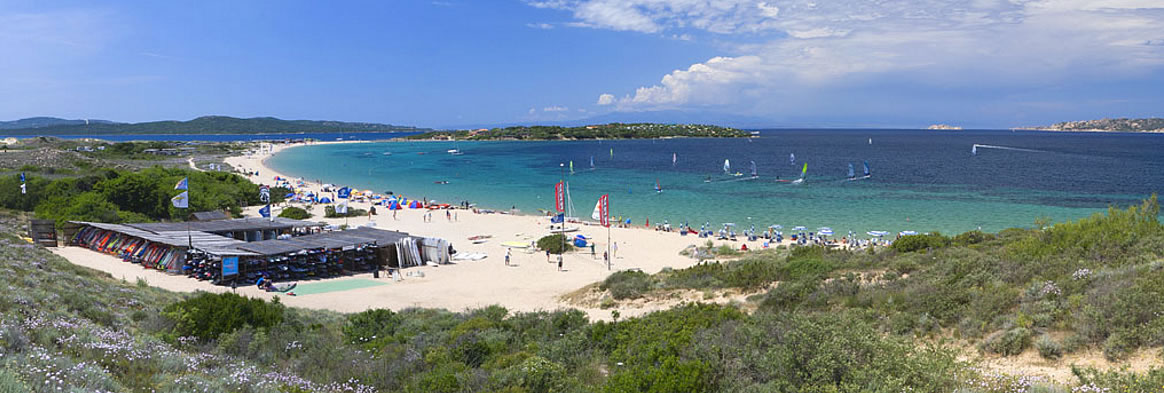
[325,200]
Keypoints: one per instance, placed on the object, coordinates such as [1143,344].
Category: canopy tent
[877,233]
[907,233]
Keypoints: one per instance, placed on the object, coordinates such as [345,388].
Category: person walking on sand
[614,250]
[605,257]
[449,216]
[592,255]
[559,262]
[507,256]
[547,255]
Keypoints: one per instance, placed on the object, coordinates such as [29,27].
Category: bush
[1048,347]
[295,213]
[209,315]
[329,212]
[913,243]
[1009,343]
[629,284]
[556,244]
[372,327]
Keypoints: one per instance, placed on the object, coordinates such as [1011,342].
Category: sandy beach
[530,283]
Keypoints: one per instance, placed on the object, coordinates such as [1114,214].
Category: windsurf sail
[851,173]
[974,150]
[867,173]
[674,158]
[612,152]
[591,162]
[658,188]
[727,167]
[870,141]
[753,169]
[571,167]
[791,158]
[804,171]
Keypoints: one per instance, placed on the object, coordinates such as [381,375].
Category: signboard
[229,266]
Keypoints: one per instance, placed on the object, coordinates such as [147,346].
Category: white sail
[674,158]
[727,167]
[597,214]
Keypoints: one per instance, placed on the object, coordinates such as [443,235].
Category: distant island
[943,127]
[1154,124]
[600,131]
[45,126]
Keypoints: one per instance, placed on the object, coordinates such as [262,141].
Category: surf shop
[227,252]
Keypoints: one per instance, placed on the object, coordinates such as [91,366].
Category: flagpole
[562,250]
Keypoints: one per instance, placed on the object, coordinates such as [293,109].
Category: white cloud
[543,26]
[555,108]
[830,45]
[532,111]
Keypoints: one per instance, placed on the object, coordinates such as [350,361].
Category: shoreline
[529,285]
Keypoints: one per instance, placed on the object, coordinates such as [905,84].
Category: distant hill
[1154,124]
[40,122]
[600,131]
[208,125]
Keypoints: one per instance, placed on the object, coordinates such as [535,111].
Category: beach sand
[529,284]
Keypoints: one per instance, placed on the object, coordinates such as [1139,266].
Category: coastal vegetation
[64,328]
[1118,125]
[601,131]
[205,125]
[295,213]
[555,244]
[117,196]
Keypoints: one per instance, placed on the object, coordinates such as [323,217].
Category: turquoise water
[923,180]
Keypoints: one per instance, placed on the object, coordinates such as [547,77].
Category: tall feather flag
[560,197]
[602,210]
[181,201]
[183,184]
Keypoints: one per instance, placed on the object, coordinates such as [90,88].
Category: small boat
[727,167]
[754,175]
[441,182]
[803,172]
[387,153]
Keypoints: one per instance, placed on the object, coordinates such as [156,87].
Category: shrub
[329,212]
[1048,347]
[371,327]
[629,284]
[209,315]
[913,243]
[556,244]
[1009,343]
[295,213]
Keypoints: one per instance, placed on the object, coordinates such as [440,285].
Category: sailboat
[674,158]
[852,175]
[867,173]
[791,158]
[754,175]
[803,172]
[591,162]
[658,188]
[870,141]
[568,215]
[727,169]
[455,150]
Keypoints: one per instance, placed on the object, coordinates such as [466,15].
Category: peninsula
[1153,124]
[201,125]
[601,131]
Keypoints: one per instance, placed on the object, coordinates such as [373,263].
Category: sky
[458,63]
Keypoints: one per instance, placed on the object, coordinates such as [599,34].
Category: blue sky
[975,63]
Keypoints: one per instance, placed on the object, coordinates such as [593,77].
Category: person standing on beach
[449,216]
[605,257]
[559,262]
[592,255]
[547,255]
[507,256]
[614,250]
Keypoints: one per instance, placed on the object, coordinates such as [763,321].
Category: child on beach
[507,256]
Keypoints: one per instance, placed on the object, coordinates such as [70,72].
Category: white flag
[342,208]
[182,201]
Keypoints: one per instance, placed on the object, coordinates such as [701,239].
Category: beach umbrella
[825,231]
[729,224]
[777,226]
[415,204]
[325,200]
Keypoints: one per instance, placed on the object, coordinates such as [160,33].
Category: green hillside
[891,320]
[601,131]
[211,125]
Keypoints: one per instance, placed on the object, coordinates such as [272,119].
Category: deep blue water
[923,180]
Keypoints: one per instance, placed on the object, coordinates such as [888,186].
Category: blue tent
[325,200]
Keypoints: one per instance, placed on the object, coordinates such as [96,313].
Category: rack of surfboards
[130,248]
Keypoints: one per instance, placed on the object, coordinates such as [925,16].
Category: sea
[925,181]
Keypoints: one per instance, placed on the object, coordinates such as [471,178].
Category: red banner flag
[604,209]
[560,197]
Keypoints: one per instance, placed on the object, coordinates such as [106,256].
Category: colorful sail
[658,188]
[804,171]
